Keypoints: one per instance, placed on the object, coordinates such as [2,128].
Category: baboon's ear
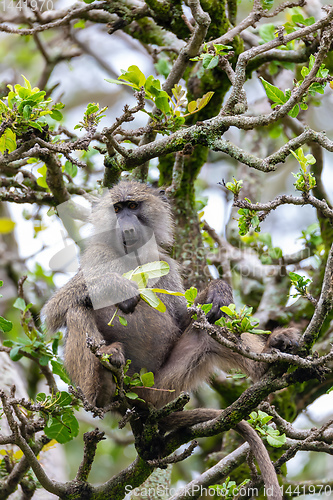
[162,195]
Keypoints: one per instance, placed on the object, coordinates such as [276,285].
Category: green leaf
[37,126]
[27,83]
[56,115]
[3,107]
[162,103]
[317,87]
[91,108]
[206,307]
[274,93]
[220,48]
[154,269]
[275,253]
[309,21]
[178,92]
[22,91]
[163,67]
[167,292]
[206,60]
[64,398]
[133,75]
[237,376]
[256,331]
[44,360]
[147,379]
[117,82]
[229,311]
[19,304]
[122,320]
[58,369]
[294,112]
[297,18]
[191,294]
[192,107]
[8,141]
[36,97]
[71,169]
[80,24]
[276,441]
[5,325]
[310,159]
[15,354]
[213,63]
[149,296]
[245,324]
[305,71]
[141,280]
[27,112]
[8,343]
[55,343]
[152,87]
[204,100]
[263,416]
[41,181]
[267,32]
[132,395]
[267,4]
[63,429]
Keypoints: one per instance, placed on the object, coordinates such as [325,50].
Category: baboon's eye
[116,208]
[132,205]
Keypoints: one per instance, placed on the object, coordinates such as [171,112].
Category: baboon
[133,226]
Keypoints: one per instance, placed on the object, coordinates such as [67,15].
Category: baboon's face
[132,230]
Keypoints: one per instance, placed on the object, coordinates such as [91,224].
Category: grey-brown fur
[180,356]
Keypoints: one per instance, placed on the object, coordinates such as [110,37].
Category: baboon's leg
[83,367]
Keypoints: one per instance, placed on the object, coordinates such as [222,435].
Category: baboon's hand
[129,305]
[284,339]
[219,294]
[114,350]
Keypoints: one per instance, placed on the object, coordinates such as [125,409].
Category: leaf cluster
[248,218]
[92,116]
[229,490]
[234,186]
[26,107]
[262,244]
[304,180]
[279,97]
[239,322]
[144,379]
[300,283]
[259,421]
[58,414]
[312,238]
[13,456]
[172,108]
[141,275]
[34,343]
[297,20]
[211,54]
